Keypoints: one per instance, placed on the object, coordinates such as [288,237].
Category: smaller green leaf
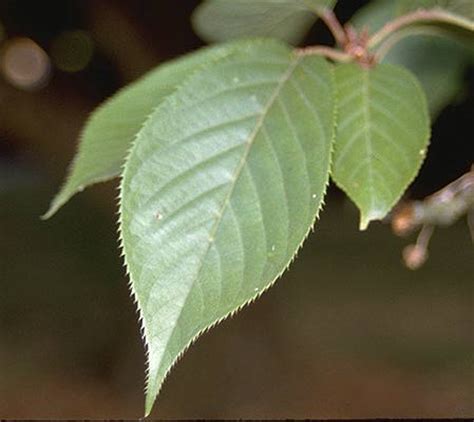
[109,132]
[382,135]
[287,20]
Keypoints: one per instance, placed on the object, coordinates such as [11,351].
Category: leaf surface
[287,20]
[382,135]
[221,188]
[111,129]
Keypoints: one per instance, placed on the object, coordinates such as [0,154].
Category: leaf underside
[459,15]
[464,8]
[220,190]
[111,129]
[287,20]
[382,135]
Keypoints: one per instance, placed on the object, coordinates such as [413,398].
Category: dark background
[347,333]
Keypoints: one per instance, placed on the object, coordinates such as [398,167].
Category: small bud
[414,256]
[402,221]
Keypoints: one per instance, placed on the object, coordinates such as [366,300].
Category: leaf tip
[53,209]
[149,402]
[364,223]
[367,217]
[60,199]
[57,202]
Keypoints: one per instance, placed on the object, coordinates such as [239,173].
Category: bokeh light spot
[72,51]
[25,64]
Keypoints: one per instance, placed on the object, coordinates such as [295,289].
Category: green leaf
[287,20]
[435,14]
[220,190]
[458,19]
[375,15]
[109,133]
[378,12]
[464,8]
[382,135]
[438,63]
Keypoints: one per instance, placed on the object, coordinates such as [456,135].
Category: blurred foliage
[287,20]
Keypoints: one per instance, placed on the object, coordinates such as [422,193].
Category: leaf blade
[287,20]
[382,136]
[112,127]
[250,200]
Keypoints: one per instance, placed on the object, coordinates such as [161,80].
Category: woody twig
[441,209]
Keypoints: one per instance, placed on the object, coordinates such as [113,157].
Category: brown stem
[331,21]
[416,255]
[442,208]
[330,53]
[419,16]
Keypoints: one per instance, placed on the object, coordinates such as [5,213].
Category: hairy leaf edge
[151,400]
[225,54]
[61,198]
[365,220]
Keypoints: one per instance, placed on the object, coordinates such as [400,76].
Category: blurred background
[348,332]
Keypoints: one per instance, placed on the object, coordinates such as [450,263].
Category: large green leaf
[109,133]
[382,135]
[287,20]
[438,63]
[221,188]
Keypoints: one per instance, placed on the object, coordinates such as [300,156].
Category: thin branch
[416,255]
[419,17]
[443,208]
[330,53]
[331,21]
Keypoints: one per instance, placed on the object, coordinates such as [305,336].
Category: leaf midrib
[368,134]
[235,177]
